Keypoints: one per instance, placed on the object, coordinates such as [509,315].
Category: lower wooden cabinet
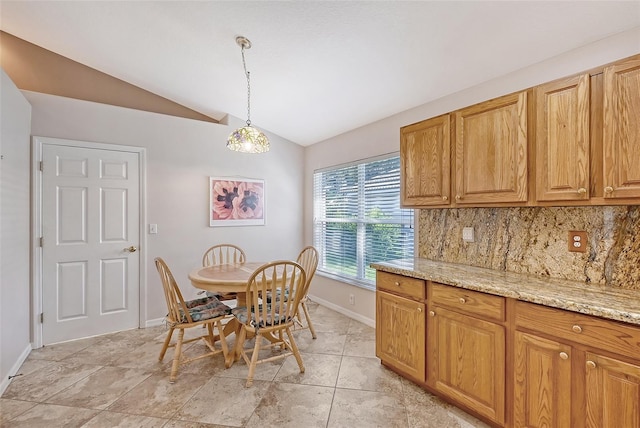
[567,373]
[466,360]
[612,392]
[542,382]
[512,363]
[400,334]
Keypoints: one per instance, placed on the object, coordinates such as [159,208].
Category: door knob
[131,249]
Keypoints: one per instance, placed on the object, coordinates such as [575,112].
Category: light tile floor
[117,381]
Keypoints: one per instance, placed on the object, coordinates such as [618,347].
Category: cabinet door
[542,382]
[400,334]
[613,392]
[621,130]
[466,360]
[491,151]
[425,163]
[562,140]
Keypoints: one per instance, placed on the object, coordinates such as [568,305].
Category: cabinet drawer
[469,302]
[399,284]
[591,331]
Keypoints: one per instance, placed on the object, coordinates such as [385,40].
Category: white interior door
[90,229]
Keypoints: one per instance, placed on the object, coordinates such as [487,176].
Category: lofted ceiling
[318,68]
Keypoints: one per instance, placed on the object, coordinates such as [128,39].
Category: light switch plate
[467,234]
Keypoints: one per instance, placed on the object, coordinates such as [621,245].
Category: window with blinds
[358,220]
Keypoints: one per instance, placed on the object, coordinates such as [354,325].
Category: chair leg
[223,345]
[176,356]
[309,323]
[254,360]
[240,338]
[166,343]
[295,350]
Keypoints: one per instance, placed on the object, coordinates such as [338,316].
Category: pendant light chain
[244,64]
[247,139]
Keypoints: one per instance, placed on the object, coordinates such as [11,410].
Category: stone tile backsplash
[534,240]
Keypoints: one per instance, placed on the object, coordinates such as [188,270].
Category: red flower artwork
[236,200]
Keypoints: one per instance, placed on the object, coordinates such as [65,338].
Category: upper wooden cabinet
[573,141]
[425,163]
[562,140]
[621,130]
[491,151]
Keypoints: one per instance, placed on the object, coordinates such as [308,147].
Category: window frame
[360,280]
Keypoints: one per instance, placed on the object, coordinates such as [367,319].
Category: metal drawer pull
[564,355]
[577,328]
[463,300]
[591,364]
[397,284]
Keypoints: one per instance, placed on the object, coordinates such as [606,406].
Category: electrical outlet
[352,299]
[577,241]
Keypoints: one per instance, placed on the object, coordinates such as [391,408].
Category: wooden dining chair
[308,259]
[223,254]
[207,311]
[269,321]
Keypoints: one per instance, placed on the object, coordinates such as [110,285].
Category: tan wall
[36,69]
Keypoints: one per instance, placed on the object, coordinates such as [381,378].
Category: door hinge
[41,317]
[41,166]
[41,241]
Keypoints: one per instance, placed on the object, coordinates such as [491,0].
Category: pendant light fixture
[247,139]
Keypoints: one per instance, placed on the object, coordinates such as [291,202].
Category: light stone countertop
[591,299]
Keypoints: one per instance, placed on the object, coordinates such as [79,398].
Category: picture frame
[236,201]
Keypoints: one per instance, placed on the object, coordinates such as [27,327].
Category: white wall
[15,123]
[181,155]
[384,137]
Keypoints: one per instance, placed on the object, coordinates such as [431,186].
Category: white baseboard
[154,323]
[353,315]
[4,384]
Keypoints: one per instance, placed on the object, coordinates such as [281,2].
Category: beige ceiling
[318,68]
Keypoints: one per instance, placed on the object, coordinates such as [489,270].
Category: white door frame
[36,225]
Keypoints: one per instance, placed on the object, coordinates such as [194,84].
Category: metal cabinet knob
[463,300]
[591,364]
[444,198]
[419,309]
[458,197]
[131,249]
[608,189]
[397,284]
[431,313]
[582,190]
[564,355]
[577,328]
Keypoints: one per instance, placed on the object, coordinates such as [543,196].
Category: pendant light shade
[247,139]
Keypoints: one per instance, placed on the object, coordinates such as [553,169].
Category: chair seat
[241,314]
[204,308]
[278,294]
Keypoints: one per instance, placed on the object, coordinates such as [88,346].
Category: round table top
[226,277]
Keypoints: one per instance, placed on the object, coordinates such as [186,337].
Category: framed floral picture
[236,202]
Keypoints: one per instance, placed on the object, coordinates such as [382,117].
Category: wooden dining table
[226,278]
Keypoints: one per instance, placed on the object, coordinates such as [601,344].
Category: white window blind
[358,220]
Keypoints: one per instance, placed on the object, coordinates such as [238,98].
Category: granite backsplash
[534,240]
